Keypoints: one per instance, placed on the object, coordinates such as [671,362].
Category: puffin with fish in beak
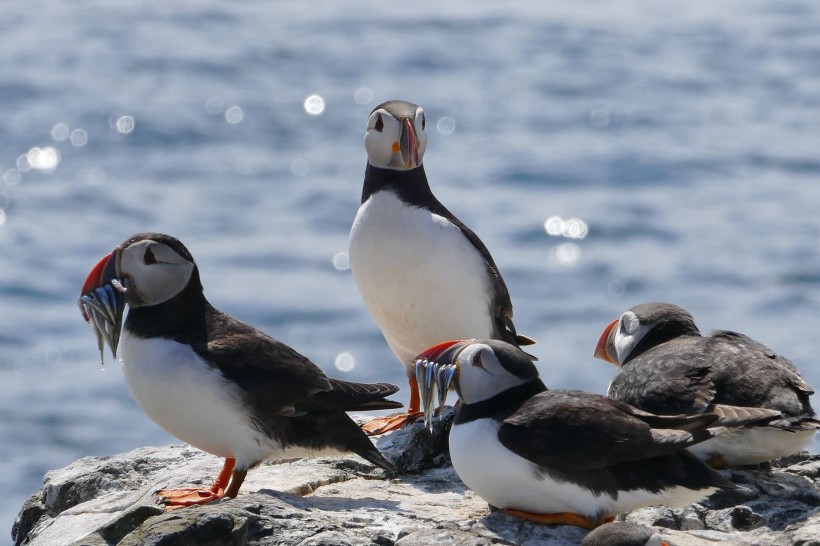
[215,382]
[564,456]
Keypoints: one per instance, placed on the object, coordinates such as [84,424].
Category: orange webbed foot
[175,499]
[560,518]
[380,425]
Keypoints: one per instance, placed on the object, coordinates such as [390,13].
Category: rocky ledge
[345,501]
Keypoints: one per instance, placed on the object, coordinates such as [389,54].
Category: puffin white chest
[191,400]
[421,278]
[506,480]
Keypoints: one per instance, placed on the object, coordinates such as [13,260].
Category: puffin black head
[156,267]
[396,136]
[485,367]
[643,327]
[147,269]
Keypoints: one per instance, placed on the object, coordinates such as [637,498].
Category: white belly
[753,445]
[420,278]
[192,400]
[506,480]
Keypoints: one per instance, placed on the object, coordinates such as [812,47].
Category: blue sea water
[608,154]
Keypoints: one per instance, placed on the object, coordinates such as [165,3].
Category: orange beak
[605,349]
[444,352]
[101,274]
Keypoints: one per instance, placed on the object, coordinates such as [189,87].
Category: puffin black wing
[669,379]
[747,373]
[350,396]
[275,376]
[500,303]
[574,430]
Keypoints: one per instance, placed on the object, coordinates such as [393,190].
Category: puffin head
[146,269]
[396,136]
[621,337]
[155,266]
[483,368]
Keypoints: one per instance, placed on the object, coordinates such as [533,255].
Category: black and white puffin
[213,381]
[422,273]
[667,367]
[559,456]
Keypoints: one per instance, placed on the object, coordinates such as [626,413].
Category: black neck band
[511,398]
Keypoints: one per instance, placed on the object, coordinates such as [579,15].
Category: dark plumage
[265,399]
[667,367]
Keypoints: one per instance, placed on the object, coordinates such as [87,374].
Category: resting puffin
[559,456]
[422,273]
[213,381]
[667,367]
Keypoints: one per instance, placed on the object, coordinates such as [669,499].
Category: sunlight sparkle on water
[574,228]
[446,125]
[616,288]
[565,254]
[43,159]
[2,217]
[12,177]
[299,166]
[234,115]
[124,124]
[341,261]
[600,117]
[363,96]
[79,137]
[344,362]
[60,132]
[214,106]
[314,105]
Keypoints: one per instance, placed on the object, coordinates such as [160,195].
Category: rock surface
[346,501]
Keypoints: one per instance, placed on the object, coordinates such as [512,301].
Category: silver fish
[103,308]
[425,376]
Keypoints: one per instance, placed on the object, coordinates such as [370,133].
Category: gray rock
[346,501]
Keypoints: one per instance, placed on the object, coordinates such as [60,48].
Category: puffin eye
[149,257]
[423,121]
[476,359]
[379,126]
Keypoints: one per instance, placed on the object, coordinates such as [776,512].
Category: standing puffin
[422,273]
[667,367]
[213,381]
[558,456]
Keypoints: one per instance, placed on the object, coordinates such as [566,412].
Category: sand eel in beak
[667,367]
[564,457]
[213,381]
[422,273]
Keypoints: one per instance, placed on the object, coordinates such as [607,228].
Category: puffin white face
[157,272]
[627,334]
[396,140]
[481,375]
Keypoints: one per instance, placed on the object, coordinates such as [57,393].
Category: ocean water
[608,154]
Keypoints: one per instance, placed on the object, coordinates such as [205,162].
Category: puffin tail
[350,396]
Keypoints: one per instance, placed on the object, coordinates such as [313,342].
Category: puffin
[212,381]
[423,275]
[667,367]
[563,456]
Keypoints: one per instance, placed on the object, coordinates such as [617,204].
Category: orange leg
[561,518]
[380,425]
[190,496]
